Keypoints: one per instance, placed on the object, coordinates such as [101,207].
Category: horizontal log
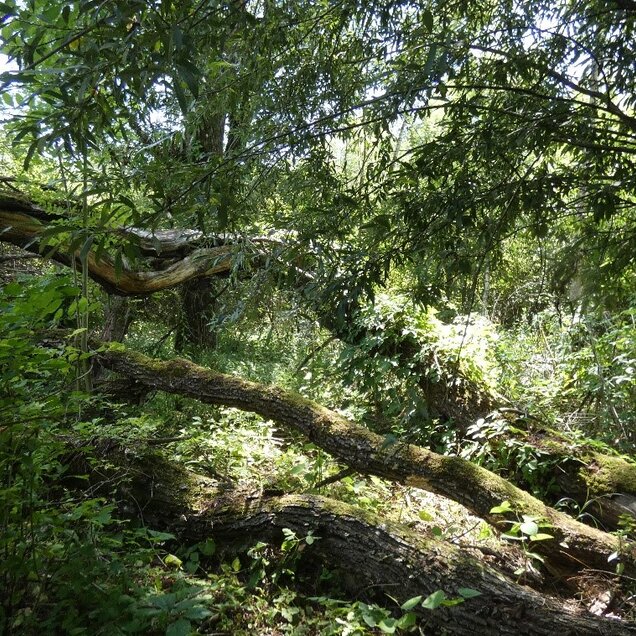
[185,255]
[366,551]
[575,546]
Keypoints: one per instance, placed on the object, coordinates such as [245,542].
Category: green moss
[607,474]
[173,479]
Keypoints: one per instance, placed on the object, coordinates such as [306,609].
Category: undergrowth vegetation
[77,564]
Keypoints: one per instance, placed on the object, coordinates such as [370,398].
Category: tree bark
[600,486]
[21,230]
[198,304]
[118,316]
[450,394]
[367,552]
[605,485]
[575,546]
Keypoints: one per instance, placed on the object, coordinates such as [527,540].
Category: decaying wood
[368,553]
[575,546]
[25,231]
[174,257]
[599,484]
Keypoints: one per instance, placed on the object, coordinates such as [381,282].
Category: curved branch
[453,397]
[25,229]
[23,223]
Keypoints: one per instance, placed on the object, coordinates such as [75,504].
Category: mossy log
[367,552]
[594,480]
[174,257]
[575,546]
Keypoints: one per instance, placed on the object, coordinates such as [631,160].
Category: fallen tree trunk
[583,475]
[25,231]
[368,552]
[575,546]
[175,257]
[600,486]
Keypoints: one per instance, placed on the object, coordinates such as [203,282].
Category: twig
[334,478]
[16,257]
[311,354]
[157,441]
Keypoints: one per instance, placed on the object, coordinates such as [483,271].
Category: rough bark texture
[198,304]
[185,257]
[603,484]
[118,316]
[575,546]
[366,551]
[22,224]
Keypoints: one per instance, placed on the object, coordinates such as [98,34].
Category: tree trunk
[367,552]
[198,303]
[606,486]
[118,316]
[600,486]
[575,546]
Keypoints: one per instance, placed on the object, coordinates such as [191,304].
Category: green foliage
[471,155]
[401,350]
[526,530]
[502,445]
[484,123]
[68,563]
[579,373]
[51,542]
[439,598]
[602,372]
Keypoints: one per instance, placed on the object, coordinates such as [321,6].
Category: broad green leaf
[537,557]
[173,561]
[155,534]
[208,547]
[406,621]
[369,619]
[388,625]
[468,592]
[434,600]
[501,508]
[529,528]
[411,603]
[181,627]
